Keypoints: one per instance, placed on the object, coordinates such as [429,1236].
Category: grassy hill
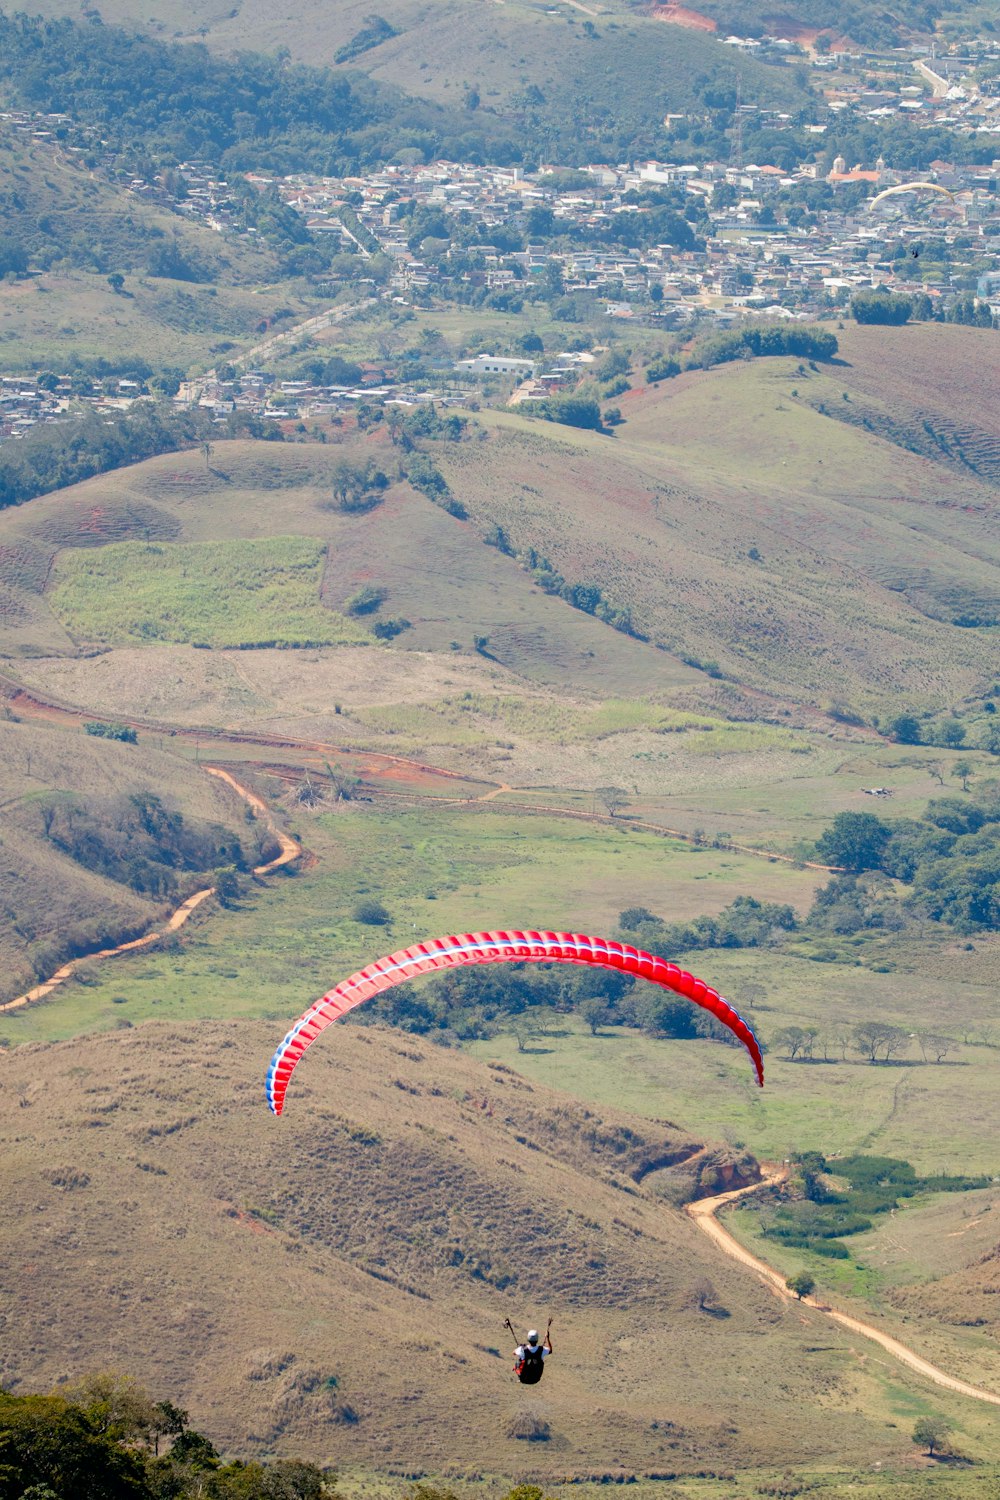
[379,1234]
[76,227]
[815,534]
[80,871]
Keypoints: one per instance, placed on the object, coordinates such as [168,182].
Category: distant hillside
[185,292]
[817,533]
[101,839]
[333,1285]
[864,25]
[460,80]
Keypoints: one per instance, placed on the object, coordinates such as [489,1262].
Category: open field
[389,1182]
[932,1115]
[160,323]
[236,593]
[437,871]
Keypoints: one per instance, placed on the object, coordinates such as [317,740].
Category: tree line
[56,454]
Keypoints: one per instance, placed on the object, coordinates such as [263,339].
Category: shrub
[111,732]
[529,1427]
[371,913]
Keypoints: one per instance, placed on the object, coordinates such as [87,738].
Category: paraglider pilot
[529,1357]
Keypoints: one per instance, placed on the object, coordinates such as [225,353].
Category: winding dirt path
[290,850]
[704,1213]
[379,768]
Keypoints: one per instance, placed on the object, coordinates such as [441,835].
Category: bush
[371,913]
[528,1426]
[120,732]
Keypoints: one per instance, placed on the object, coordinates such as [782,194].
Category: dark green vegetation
[55,455]
[822,1215]
[102,1441]
[252,112]
[756,341]
[950,859]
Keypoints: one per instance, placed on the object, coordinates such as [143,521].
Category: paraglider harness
[530,1367]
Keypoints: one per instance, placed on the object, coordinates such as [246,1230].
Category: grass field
[235,593]
[436,871]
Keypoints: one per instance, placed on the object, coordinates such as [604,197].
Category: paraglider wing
[492,948]
[911,187]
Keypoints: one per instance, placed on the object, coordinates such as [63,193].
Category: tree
[795,1040]
[802,1284]
[874,1037]
[880,307]
[371,914]
[905,729]
[952,732]
[614,798]
[935,1045]
[931,1433]
[116,281]
[962,769]
[228,885]
[855,840]
[703,1294]
[49,1444]
[595,1013]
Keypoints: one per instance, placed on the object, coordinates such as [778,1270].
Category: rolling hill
[334,1285]
[806,533]
[75,226]
[570,84]
[101,840]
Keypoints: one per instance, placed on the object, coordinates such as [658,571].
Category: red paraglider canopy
[493,948]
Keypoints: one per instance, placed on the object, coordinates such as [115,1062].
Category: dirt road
[704,1213]
[289,850]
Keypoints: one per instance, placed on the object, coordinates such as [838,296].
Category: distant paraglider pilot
[530,1357]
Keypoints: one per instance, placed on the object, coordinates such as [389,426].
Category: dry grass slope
[333,1284]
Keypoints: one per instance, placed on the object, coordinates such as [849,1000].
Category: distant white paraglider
[911,187]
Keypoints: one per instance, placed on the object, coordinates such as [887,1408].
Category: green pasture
[436,872]
[476,718]
[162,323]
[235,593]
[931,1115]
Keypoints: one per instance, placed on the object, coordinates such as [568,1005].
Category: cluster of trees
[757,340]
[875,1040]
[887,307]
[101,1439]
[821,1216]
[137,841]
[950,858]
[55,454]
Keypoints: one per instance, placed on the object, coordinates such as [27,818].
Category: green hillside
[185,292]
[816,534]
[459,80]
